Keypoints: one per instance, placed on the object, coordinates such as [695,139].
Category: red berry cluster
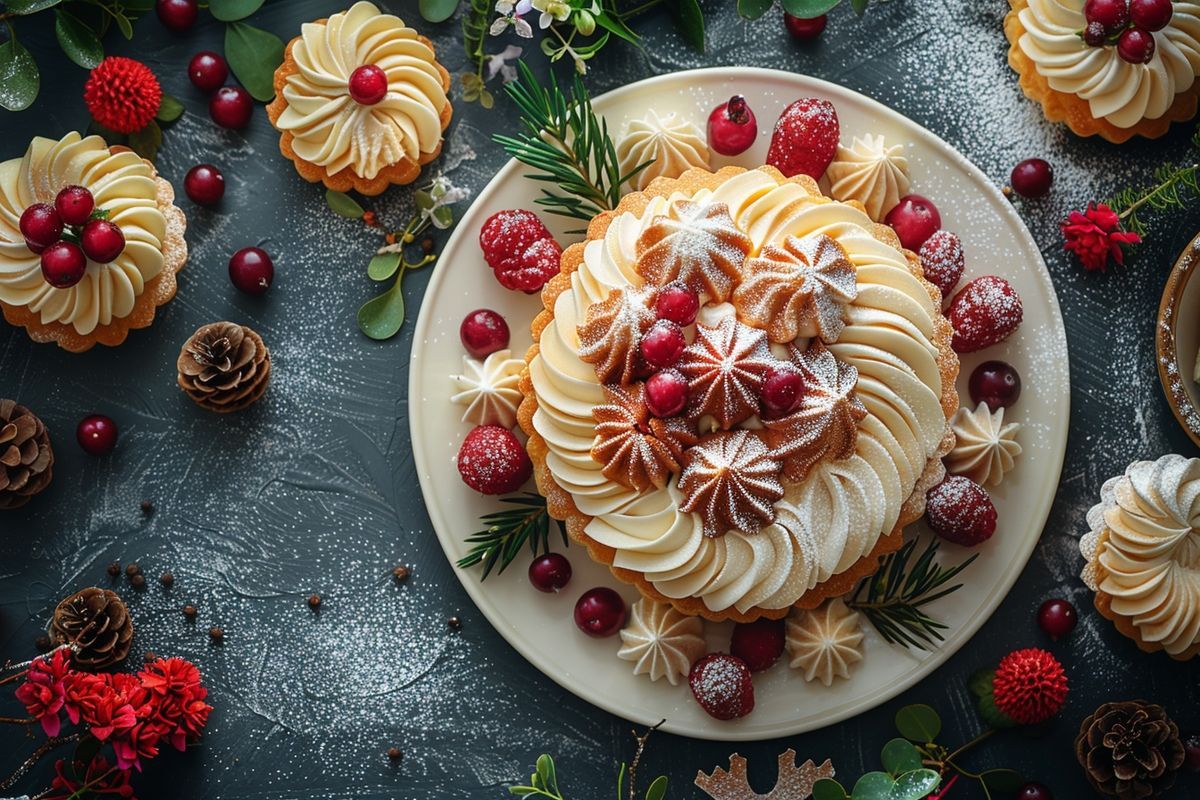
[1129,24]
[68,233]
[520,250]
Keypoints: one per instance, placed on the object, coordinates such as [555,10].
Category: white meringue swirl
[825,642]
[670,145]
[872,172]
[985,449]
[489,389]
[660,641]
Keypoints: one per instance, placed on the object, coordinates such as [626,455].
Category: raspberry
[538,264]
[805,138]
[984,313]
[758,643]
[520,249]
[722,686]
[942,261]
[492,460]
[959,510]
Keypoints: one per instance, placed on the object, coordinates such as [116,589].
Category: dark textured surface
[314,489]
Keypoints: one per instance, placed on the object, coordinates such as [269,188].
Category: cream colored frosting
[489,389]
[333,130]
[1143,549]
[671,145]
[836,516]
[825,642]
[872,172]
[1115,90]
[123,184]
[660,641]
[985,449]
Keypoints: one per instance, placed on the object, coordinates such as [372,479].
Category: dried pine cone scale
[1130,750]
[224,367]
[26,457]
[97,623]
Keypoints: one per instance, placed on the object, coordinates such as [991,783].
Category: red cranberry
[994,383]
[231,107]
[41,225]
[1094,35]
[207,71]
[1136,46]
[1191,748]
[732,127]
[677,303]
[804,29]
[1033,791]
[74,205]
[63,264]
[1032,177]
[178,15]
[600,612]
[550,573]
[204,184]
[663,344]
[914,219]
[758,643]
[368,84]
[102,241]
[251,270]
[97,435]
[1057,618]
[483,332]
[782,390]
[1112,14]
[666,393]
[1151,15]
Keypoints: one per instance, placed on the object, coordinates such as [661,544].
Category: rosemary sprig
[564,138]
[507,530]
[893,598]
[1173,187]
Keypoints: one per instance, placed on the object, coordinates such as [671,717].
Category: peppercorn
[167,580]
[138,581]
[455,623]
[395,753]
[114,569]
[400,573]
[216,634]
[147,507]
[132,569]
[314,601]
[189,611]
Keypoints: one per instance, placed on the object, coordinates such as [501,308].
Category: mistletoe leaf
[77,40]
[147,141]
[828,789]
[900,756]
[658,788]
[233,10]
[382,317]
[873,786]
[383,266]
[914,785]
[918,723]
[753,9]
[689,20]
[437,10]
[343,205]
[254,55]
[19,79]
[170,110]
[23,7]
[807,9]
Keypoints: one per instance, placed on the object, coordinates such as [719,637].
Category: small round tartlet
[364,144]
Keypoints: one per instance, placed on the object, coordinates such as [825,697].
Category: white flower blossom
[552,11]
[510,15]
[497,63]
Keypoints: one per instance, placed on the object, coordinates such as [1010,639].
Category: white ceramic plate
[540,626]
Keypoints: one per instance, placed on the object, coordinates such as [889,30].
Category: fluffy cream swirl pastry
[670,145]
[489,389]
[870,171]
[825,641]
[1143,554]
[661,642]
[985,448]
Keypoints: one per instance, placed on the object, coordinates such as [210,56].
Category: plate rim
[1165,341]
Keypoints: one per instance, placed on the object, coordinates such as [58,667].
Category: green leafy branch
[543,782]
[1173,188]
[805,9]
[506,531]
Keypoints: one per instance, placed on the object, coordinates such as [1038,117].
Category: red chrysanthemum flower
[93,700]
[72,780]
[122,94]
[1030,686]
[44,691]
[1095,235]
[133,744]
[179,697]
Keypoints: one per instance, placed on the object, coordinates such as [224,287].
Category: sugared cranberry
[782,390]
[550,573]
[231,107]
[1151,15]
[63,264]
[666,393]
[600,612]
[995,383]
[1191,749]
[178,15]
[758,643]
[1057,618]
[97,435]
[663,344]
[732,127]
[1094,35]
[74,205]
[251,270]
[722,685]
[1136,46]
[207,71]
[960,511]
[102,241]
[483,332]
[41,225]
[804,29]
[1112,14]
[1033,791]
[368,84]
[677,303]
[914,219]
[204,184]
[1032,177]
[943,260]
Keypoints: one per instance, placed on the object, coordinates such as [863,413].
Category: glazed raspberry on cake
[805,138]
[984,313]
[520,249]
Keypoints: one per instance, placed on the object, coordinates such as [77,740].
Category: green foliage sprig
[805,9]
[506,531]
[1174,187]
[543,782]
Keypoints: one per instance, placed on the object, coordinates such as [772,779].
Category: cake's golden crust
[562,506]
[1074,111]
[402,172]
[157,292]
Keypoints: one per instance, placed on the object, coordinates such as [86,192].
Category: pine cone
[224,367]
[26,458]
[1130,750]
[97,622]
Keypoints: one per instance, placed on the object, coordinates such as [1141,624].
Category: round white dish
[540,626]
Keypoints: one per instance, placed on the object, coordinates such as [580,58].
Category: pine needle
[506,531]
[1173,188]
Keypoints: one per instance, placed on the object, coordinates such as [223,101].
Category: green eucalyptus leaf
[253,55]
[859,6]
[689,19]
[873,786]
[383,266]
[753,9]
[994,717]
[147,141]
[437,10]
[343,204]
[77,40]
[807,9]
[123,24]
[423,200]
[382,317]
[1002,781]
[23,7]
[900,756]
[828,789]
[658,789]
[170,110]
[914,785]
[233,10]
[918,723]
[19,79]
[980,682]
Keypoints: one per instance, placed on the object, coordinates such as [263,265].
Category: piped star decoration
[731,480]
[625,445]
[794,782]
[725,367]
[614,327]
[696,243]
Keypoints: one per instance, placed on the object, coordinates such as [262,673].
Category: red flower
[122,94]
[1095,235]
[1030,686]
[93,700]
[181,710]
[45,688]
[133,744]
[97,780]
